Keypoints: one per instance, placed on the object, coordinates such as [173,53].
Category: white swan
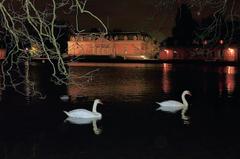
[174,106]
[83,121]
[83,113]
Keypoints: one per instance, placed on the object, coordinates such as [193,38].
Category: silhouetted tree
[213,30]
[183,32]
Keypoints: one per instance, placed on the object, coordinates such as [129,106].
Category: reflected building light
[230,70]
[166,83]
[132,87]
[167,67]
[129,86]
[74,83]
[230,79]
[230,84]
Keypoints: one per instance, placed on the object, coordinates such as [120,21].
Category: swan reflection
[84,121]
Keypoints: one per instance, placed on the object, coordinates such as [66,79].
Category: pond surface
[130,127]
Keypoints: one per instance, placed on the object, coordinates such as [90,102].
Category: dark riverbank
[158,61]
[148,61]
[119,59]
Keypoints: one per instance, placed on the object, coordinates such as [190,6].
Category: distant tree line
[187,32]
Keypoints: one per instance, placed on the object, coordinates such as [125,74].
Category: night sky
[125,15]
[152,17]
[142,15]
[138,15]
[132,15]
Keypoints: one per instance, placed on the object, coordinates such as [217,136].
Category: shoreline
[208,62]
[149,61]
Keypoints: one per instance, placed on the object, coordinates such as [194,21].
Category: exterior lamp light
[143,57]
[231,51]
[205,42]
[167,51]
[26,50]
[221,42]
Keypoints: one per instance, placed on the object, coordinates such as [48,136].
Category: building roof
[113,34]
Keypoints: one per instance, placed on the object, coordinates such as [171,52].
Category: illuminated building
[166,54]
[230,54]
[127,45]
[174,54]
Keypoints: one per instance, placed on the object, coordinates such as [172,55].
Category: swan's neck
[94,109]
[185,103]
[184,100]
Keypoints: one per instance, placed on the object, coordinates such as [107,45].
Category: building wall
[129,47]
[102,46]
[166,54]
[230,54]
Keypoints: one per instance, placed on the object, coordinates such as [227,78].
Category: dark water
[130,127]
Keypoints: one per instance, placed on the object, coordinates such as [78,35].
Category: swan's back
[170,106]
[82,113]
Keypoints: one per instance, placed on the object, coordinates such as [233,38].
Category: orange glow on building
[230,54]
[127,46]
[166,54]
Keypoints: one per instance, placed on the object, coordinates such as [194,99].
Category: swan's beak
[100,102]
[190,93]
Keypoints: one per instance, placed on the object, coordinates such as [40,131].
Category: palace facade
[127,45]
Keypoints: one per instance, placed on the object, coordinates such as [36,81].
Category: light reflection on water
[227,80]
[135,82]
[166,82]
[230,78]
[122,81]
